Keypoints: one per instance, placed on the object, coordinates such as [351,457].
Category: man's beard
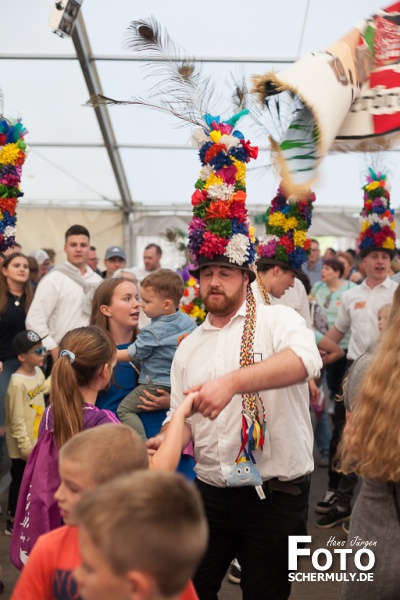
[223,305]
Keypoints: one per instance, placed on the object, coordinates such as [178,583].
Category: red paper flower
[287,243]
[217,210]
[238,211]
[213,245]
[251,151]
[213,151]
[198,197]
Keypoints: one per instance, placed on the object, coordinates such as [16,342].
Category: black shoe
[235,573]
[327,503]
[334,517]
[9,528]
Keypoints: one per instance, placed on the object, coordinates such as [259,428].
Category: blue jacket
[156,344]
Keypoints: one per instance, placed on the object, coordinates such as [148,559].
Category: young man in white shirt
[63,298]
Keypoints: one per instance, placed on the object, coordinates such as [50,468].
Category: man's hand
[151,402]
[212,396]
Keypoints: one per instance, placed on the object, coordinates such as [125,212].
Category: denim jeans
[256,530]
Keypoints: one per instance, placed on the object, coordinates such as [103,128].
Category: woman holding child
[116,309]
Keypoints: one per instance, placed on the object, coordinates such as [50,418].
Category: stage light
[63,17]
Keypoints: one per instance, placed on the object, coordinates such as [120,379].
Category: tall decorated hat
[12,156]
[377,223]
[287,243]
[219,232]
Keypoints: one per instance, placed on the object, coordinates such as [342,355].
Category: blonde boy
[141,537]
[24,409]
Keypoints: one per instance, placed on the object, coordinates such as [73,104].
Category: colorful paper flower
[377,223]
[287,222]
[220,222]
[191,303]
[12,156]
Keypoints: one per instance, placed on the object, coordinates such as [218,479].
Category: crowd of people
[76,361]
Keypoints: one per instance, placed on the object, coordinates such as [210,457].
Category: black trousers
[256,530]
[16,472]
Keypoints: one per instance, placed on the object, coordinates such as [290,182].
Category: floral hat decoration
[219,231]
[378,225]
[287,243]
[13,151]
[191,302]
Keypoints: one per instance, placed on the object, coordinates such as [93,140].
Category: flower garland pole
[13,150]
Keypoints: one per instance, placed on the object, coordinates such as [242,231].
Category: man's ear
[142,586]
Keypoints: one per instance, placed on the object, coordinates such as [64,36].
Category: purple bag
[37,512]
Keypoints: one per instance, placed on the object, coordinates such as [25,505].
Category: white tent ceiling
[69,164]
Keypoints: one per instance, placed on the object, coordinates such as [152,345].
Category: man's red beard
[222,305]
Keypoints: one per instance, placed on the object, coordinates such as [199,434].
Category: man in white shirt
[208,361]
[151,257]
[360,305]
[63,298]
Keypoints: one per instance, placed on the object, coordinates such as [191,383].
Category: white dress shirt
[60,304]
[295,297]
[209,352]
[358,314]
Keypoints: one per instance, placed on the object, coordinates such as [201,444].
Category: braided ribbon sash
[253,423]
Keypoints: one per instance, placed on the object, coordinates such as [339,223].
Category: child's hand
[187,404]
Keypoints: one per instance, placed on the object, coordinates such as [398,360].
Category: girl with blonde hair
[371,448]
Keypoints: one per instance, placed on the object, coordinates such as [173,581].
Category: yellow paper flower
[202,314]
[241,170]
[213,180]
[392,225]
[276,220]
[252,234]
[191,282]
[215,135]
[373,185]
[388,243]
[299,237]
[365,225]
[9,154]
[290,223]
[194,312]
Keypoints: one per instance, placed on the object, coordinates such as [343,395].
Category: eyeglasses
[38,351]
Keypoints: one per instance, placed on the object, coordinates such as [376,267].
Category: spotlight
[63,17]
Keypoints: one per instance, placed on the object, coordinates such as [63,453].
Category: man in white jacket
[63,298]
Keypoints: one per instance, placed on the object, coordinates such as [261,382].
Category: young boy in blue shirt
[156,344]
